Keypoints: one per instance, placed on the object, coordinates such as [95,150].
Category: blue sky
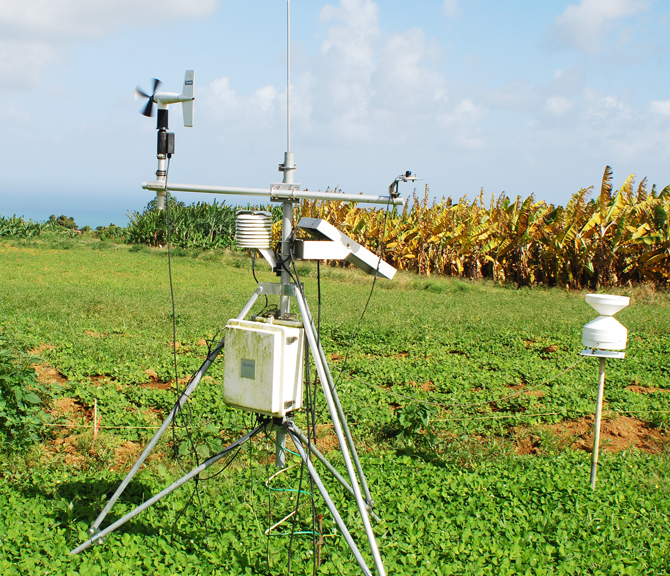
[521,96]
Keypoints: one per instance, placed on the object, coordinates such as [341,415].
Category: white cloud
[450,8]
[558,105]
[14,115]
[248,114]
[365,86]
[584,25]
[65,19]
[660,107]
[21,62]
[37,32]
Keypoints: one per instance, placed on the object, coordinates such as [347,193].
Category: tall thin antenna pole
[288,75]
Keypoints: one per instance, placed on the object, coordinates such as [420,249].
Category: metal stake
[596,424]
[331,505]
[321,458]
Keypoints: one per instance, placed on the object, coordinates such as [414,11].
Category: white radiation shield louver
[253,229]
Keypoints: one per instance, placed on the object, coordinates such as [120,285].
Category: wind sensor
[263,355]
[165,140]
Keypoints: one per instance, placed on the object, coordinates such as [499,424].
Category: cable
[311,408]
[380,240]
[253,272]
[261,425]
[196,490]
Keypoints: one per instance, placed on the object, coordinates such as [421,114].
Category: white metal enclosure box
[263,367]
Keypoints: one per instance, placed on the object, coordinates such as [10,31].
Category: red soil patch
[41,348]
[528,445]
[67,448]
[645,390]
[158,385]
[48,375]
[126,455]
[427,386]
[326,439]
[154,382]
[95,334]
[533,392]
[394,406]
[616,435]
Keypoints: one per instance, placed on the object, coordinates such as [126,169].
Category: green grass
[454,496]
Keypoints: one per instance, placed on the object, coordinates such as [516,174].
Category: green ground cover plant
[433,384]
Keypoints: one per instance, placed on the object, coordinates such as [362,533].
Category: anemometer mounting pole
[164,150]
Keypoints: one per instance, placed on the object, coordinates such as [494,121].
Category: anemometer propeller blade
[164,99]
[139,93]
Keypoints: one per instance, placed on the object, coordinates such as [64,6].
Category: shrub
[22,399]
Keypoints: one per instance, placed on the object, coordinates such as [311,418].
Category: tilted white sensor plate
[358,256]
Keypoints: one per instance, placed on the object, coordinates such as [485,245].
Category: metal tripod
[356,486]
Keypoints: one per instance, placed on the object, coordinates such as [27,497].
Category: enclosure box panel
[263,367]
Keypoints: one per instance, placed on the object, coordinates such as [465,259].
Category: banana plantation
[614,238]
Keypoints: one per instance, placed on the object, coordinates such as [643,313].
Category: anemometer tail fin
[187,105]
[187,109]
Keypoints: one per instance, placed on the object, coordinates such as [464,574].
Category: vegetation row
[613,239]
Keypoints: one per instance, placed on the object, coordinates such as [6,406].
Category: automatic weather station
[264,355]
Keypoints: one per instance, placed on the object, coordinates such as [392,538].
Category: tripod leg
[206,464]
[340,413]
[321,458]
[331,505]
[175,410]
[311,338]
[250,303]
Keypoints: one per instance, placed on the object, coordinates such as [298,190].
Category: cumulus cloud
[450,8]
[37,32]
[660,107]
[584,25]
[21,62]
[365,86]
[64,19]
[558,105]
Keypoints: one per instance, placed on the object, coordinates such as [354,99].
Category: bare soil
[616,435]
[645,389]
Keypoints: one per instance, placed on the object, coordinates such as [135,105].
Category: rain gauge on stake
[604,338]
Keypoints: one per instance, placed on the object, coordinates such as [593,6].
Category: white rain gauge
[263,370]
[604,338]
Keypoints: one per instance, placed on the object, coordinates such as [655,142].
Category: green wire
[296,533]
[284,448]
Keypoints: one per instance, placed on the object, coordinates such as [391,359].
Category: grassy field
[468,399]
